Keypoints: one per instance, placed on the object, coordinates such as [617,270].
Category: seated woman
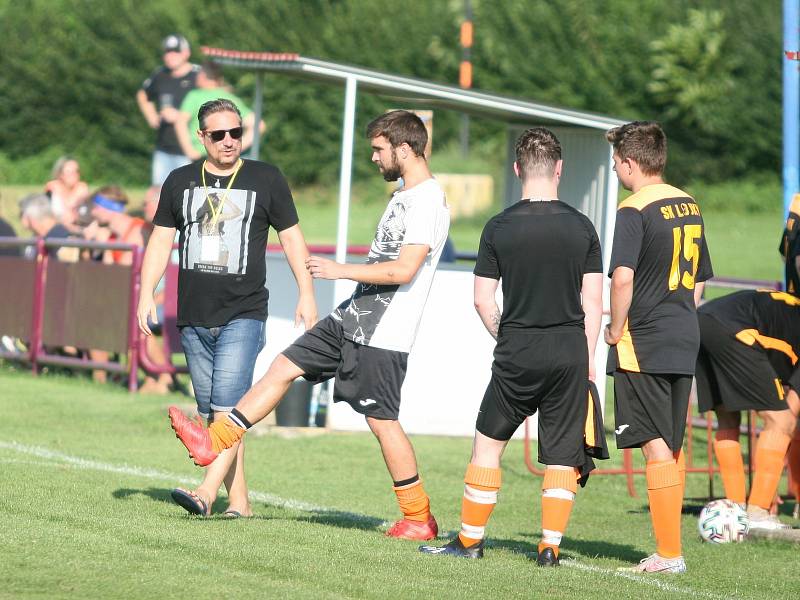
[66,190]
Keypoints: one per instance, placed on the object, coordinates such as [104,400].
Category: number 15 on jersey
[685,241]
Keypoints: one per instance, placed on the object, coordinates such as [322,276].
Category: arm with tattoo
[486,305]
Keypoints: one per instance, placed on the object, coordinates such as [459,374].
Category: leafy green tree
[708,70]
[692,72]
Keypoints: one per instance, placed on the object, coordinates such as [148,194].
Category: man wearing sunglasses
[223,208]
[159,99]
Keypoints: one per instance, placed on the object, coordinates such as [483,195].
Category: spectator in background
[36,215]
[210,86]
[108,209]
[160,97]
[156,349]
[6,230]
[66,190]
[111,224]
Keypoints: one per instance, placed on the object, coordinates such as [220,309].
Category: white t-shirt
[388,316]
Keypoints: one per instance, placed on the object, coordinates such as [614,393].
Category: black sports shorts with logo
[539,371]
[368,379]
[648,406]
[730,373]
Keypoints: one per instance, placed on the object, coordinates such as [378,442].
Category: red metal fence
[54,299]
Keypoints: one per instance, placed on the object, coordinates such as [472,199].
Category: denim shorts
[221,362]
[163,164]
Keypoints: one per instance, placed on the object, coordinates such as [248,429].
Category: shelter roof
[474,102]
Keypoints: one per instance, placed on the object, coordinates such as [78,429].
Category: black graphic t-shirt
[541,251]
[660,234]
[223,238]
[164,90]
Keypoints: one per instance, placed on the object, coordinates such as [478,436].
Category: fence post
[133,324]
[38,305]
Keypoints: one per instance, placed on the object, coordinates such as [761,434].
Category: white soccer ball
[722,521]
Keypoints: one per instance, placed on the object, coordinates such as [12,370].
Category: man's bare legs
[228,468]
[398,453]
[257,403]
[267,392]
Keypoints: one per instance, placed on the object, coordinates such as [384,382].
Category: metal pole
[258,102]
[133,327]
[346,168]
[791,109]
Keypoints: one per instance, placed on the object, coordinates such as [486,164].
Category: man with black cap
[160,98]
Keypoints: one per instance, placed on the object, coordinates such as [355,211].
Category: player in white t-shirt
[365,342]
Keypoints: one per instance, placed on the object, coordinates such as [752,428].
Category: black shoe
[547,558]
[455,548]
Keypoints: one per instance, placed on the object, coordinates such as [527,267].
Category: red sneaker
[406,529]
[194,436]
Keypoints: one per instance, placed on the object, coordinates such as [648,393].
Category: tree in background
[70,70]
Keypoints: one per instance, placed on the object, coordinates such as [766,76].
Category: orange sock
[680,460]
[731,467]
[224,434]
[793,456]
[481,485]
[414,502]
[558,496]
[664,493]
[770,452]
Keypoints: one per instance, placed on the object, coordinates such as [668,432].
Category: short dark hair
[215,106]
[211,70]
[537,151]
[400,127]
[642,141]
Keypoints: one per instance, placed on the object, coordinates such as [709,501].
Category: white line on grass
[93,465]
[273,500]
[644,579]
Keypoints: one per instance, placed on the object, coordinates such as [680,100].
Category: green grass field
[85,511]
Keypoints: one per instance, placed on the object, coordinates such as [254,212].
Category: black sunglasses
[217,135]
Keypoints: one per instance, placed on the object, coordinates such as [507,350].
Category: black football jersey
[660,234]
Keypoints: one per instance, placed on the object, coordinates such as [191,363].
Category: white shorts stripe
[480,496]
[558,493]
[551,537]
[472,531]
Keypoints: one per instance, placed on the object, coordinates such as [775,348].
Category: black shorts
[369,379]
[648,406]
[544,372]
[730,373]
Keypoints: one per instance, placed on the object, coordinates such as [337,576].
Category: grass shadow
[602,549]
[572,548]
[343,519]
[162,495]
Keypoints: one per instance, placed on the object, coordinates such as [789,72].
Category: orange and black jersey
[790,248]
[660,234]
[765,318]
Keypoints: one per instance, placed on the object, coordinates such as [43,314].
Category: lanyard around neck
[216,213]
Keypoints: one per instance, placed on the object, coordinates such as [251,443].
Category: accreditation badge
[209,248]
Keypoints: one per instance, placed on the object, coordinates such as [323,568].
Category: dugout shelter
[450,364]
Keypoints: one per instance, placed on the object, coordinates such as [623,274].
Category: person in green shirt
[210,86]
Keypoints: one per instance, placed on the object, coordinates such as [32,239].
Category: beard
[392,172]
